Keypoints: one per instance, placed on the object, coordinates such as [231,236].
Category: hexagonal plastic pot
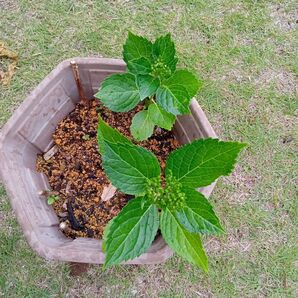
[28,133]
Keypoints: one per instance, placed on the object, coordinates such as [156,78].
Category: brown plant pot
[28,133]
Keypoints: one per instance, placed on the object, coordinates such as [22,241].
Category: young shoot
[52,199]
[151,78]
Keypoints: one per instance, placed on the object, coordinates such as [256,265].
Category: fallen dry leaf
[49,154]
[108,192]
[67,188]
[62,214]
[5,77]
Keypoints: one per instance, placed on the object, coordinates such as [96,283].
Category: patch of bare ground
[152,281]
[4,215]
[243,40]
[145,284]
[271,241]
[217,124]
[244,184]
[156,280]
[238,241]
[9,5]
[284,20]
[235,75]
[234,72]
[284,81]
[82,290]
[288,124]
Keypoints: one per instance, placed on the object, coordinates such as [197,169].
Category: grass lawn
[246,52]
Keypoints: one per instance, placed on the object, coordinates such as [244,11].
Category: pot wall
[28,133]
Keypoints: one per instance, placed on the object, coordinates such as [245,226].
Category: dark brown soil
[75,170]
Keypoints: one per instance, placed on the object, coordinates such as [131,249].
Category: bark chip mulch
[75,172]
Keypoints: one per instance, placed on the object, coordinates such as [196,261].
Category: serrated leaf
[141,127]
[129,167]
[147,85]
[160,117]
[105,133]
[198,215]
[119,92]
[105,234]
[137,47]
[139,66]
[173,99]
[131,232]
[175,93]
[203,161]
[184,243]
[188,80]
[164,50]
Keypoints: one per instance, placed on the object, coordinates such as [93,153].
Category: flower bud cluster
[174,195]
[171,196]
[160,69]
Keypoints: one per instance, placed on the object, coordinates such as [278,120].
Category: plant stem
[149,100]
[75,70]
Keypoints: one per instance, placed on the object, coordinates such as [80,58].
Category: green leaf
[147,85]
[175,93]
[137,47]
[119,92]
[198,215]
[139,66]
[164,50]
[143,201]
[184,243]
[160,117]
[189,81]
[105,133]
[203,161]
[129,167]
[105,235]
[131,232]
[141,127]
[173,99]
[51,200]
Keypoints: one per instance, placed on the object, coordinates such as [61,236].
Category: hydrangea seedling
[52,199]
[151,77]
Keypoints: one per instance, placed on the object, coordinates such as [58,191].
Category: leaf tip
[97,95]
[206,269]
[243,145]
[105,266]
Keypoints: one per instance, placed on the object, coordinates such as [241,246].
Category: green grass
[246,52]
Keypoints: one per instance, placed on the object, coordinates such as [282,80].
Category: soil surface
[75,173]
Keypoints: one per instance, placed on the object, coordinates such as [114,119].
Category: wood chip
[76,169]
[65,205]
[62,214]
[67,188]
[50,153]
[108,192]
[47,193]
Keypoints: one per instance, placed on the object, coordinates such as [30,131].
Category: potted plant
[29,133]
